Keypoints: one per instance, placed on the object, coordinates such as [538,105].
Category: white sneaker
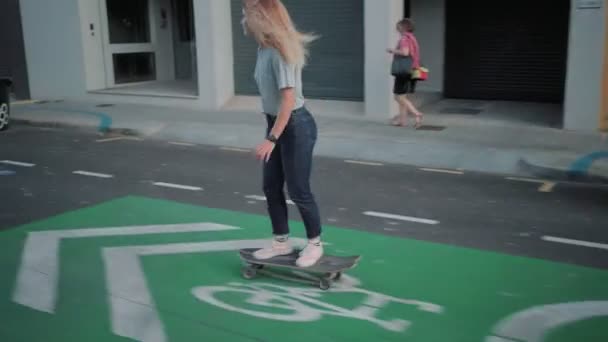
[310,255]
[276,249]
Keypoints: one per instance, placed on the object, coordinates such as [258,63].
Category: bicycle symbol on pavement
[297,304]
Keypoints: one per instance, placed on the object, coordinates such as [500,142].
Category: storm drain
[48,101]
[460,110]
[430,128]
[105,105]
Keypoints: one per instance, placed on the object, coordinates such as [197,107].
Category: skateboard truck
[330,267]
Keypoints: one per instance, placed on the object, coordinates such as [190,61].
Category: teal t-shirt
[272,74]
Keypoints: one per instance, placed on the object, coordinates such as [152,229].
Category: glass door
[130,41]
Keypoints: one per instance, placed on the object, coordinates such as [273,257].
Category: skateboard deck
[331,267]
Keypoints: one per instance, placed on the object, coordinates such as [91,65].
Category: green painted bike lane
[164,271]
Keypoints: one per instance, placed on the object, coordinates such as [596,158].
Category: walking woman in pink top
[405,84]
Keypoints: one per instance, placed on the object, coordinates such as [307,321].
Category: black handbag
[402,65]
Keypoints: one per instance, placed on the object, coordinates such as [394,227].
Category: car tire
[5,110]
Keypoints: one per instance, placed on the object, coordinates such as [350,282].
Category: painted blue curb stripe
[105,120]
[582,165]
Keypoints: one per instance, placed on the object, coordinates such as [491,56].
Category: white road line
[16,163]
[235,149]
[400,217]
[177,186]
[452,172]
[181,143]
[528,180]
[359,162]
[575,242]
[256,197]
[119,138]
[263,198]
[92,174]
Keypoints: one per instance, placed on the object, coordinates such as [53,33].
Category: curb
[542,171]
[57,124]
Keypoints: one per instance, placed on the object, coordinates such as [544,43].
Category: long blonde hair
[270,24]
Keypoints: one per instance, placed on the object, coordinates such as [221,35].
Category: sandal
[418,121]
[396,121]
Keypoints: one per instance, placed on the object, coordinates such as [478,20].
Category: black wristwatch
[272,138]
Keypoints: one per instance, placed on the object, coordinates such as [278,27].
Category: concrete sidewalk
[449,141]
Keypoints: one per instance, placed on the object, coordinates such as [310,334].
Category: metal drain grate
[460,110]
[431,128]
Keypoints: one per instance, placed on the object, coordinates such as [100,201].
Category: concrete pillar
[604,107]
[380,34]
[585,61]
[214,52]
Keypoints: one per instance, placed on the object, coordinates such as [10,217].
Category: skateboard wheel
[333,276]
[324,284]
[249,272]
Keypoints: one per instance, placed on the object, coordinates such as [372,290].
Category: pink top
[409,40]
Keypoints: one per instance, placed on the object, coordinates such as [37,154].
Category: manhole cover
[430,128]
[460,110]
[105,105]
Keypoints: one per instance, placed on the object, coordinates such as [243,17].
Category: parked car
[5,105]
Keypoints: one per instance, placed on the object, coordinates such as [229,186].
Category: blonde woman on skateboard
[291,135]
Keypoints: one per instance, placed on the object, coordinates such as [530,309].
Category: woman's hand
[264,150]
[391,51]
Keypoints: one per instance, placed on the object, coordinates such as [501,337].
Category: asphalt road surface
[110,238]
[50,171]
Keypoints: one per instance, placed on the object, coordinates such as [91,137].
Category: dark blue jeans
[291,163]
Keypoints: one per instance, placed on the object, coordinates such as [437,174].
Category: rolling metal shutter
[335,67]
[506,50]
[12,51]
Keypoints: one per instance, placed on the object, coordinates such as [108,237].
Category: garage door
[335,68]
[12,53]
[506,50]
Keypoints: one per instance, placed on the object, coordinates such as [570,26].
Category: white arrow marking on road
[37,278]
[533,324]
[132,310]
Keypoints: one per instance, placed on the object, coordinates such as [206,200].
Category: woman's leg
[297,154]
[273,183]
[410,107]
[398,90]
[401,118]
[409,102]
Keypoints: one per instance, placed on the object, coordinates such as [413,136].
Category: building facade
[194,51]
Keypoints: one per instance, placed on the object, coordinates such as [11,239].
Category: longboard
[329,266]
